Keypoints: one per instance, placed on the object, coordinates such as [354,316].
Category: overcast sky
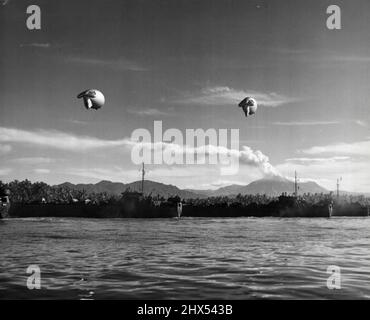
[187,63]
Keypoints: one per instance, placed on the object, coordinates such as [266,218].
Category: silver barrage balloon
[249,106]
[92,98]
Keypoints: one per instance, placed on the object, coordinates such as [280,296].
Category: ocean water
[229,258]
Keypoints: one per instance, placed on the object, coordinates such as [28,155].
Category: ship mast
[295,184]
[338,180]
[142,179]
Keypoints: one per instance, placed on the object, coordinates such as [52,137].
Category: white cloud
[78,122]
[319,123]
[324,164]
[65,141]
[360,148]
[215,184]
[4,148]
[57,140]
[306,123]
[148,112]
[5,171]
[121,64]
[33,160]
[42,171]
[219,96]
[361,123]
[100,173]
[246,155]
[258,159]
[355,173]
[349,58]
[252,164]
[316,160]
[36,45]
[347,160]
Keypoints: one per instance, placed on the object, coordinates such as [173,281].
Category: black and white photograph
[203,150]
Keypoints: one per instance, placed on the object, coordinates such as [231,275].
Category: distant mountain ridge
[268,186]
[116,188]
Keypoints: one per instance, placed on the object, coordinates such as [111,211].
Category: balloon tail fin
[246,111]
[88,103]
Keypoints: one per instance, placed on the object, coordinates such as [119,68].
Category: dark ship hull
[284,207]
[81,210]
[351,210]
[273,209]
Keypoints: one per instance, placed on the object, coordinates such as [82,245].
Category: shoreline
[282,208]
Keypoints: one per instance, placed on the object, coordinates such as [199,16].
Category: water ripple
[236,258]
